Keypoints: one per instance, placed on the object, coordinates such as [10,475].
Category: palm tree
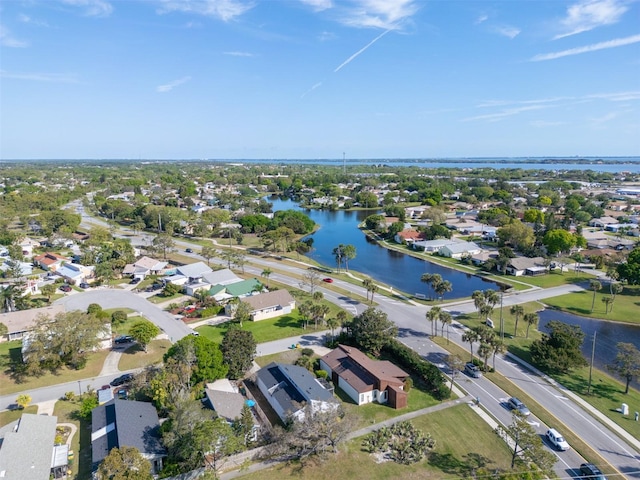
[478,300]
[607,302]
[317,296]
[373,289]
[446,319]
[433,315]
[484,351]
[518,311]
[471,335]
[594,285]
[366,283]
[443,287]
[498,347]
[530,319]
[8,297]
[266,273]
[333,323]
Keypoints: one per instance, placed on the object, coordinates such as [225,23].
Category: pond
[393,268]
[608,334]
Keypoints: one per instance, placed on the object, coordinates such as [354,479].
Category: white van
[489,323]
[557,440]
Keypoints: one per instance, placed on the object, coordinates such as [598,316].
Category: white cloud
[92,8]
[509,112]
[41,77]
[171,85]
[8,40]
[318,5]
[239,54]
[352,57]
[224,10]
[507,31]
[546,123]
[32,21]
[325,36]
[385,14]
[617,97]
[589,14]
[618,42]
[481,19]
[598,121]
[317,85]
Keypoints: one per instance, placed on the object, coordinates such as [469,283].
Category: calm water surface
[395,269]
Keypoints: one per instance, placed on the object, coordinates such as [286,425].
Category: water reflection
[608,334]
[393,268]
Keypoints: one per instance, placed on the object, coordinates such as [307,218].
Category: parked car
[135,280]
[121,380]
[65,288]
[84,285]
[490,323]
[189,250]
[472,370]
[590,471]
[516,404]
[557,440]
[123,339]
[327,280]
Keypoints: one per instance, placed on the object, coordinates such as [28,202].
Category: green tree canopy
[124,463]
[372,330]
[238,349]
[202,354]
[630,270]
[559,350]
[626,363]
[143,332]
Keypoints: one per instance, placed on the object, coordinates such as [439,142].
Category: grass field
[81,441]
[9,416]
[10,351]
[463,442]
[135,357]
[263,331]
[625,306]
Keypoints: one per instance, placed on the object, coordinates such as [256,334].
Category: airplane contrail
[348,60]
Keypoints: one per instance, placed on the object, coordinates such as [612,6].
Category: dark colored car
[327,280]
[590,471]
[65,288]
[135,280]
[123,339]
[472,370]
[84,285]
[121,380]
[189,250]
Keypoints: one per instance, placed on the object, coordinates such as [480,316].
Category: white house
[270,304]
[460,249]
[432,246]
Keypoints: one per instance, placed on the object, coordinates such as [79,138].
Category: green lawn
[625,307]
[81,443]
[463,442]
[7,416]
[264,330]
[555,279]
[135,357]
[10,352]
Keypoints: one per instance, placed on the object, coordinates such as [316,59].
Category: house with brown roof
[408,236]
[20,322]
[270,304]
[366,380]
[50,261]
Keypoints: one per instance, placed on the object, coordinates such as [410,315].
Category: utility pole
[501,318]
[593,354]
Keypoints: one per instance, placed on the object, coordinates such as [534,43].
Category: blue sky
[287,79]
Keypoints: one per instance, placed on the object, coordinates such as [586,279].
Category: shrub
[427,372]
[69,396]
[118,317]
[408,385]
[322,374]
[307,352]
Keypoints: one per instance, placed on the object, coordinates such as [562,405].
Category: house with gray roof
[28,450]
[126,423]
[460,249]
[270,304]
[229,405]
[289,388]
[22,321]
[144,266]
[519,266]
[193,271]
[208,280]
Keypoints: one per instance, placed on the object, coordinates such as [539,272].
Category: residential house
[365,380]
[460,249]
[519,266]
[189,274]
[228,403]
[289,388]
[235,290]
[144,266]
[126,423]
[479,258]
[22,321]
[270,304]
[27,244]
[25,268]
[74,273]
[28,450]
[50,261]
[210,279]
[432,246]
[602,222]
[408,236]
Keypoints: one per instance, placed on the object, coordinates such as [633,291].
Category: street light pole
[501,318]
[79,388]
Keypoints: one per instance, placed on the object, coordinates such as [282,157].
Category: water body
[393,268]
[608,334]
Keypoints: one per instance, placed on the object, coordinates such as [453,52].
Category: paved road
[114,298]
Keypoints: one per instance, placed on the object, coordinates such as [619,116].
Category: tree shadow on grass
[287,321]
[465,467]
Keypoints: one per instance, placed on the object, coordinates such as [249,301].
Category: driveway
[112,298]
